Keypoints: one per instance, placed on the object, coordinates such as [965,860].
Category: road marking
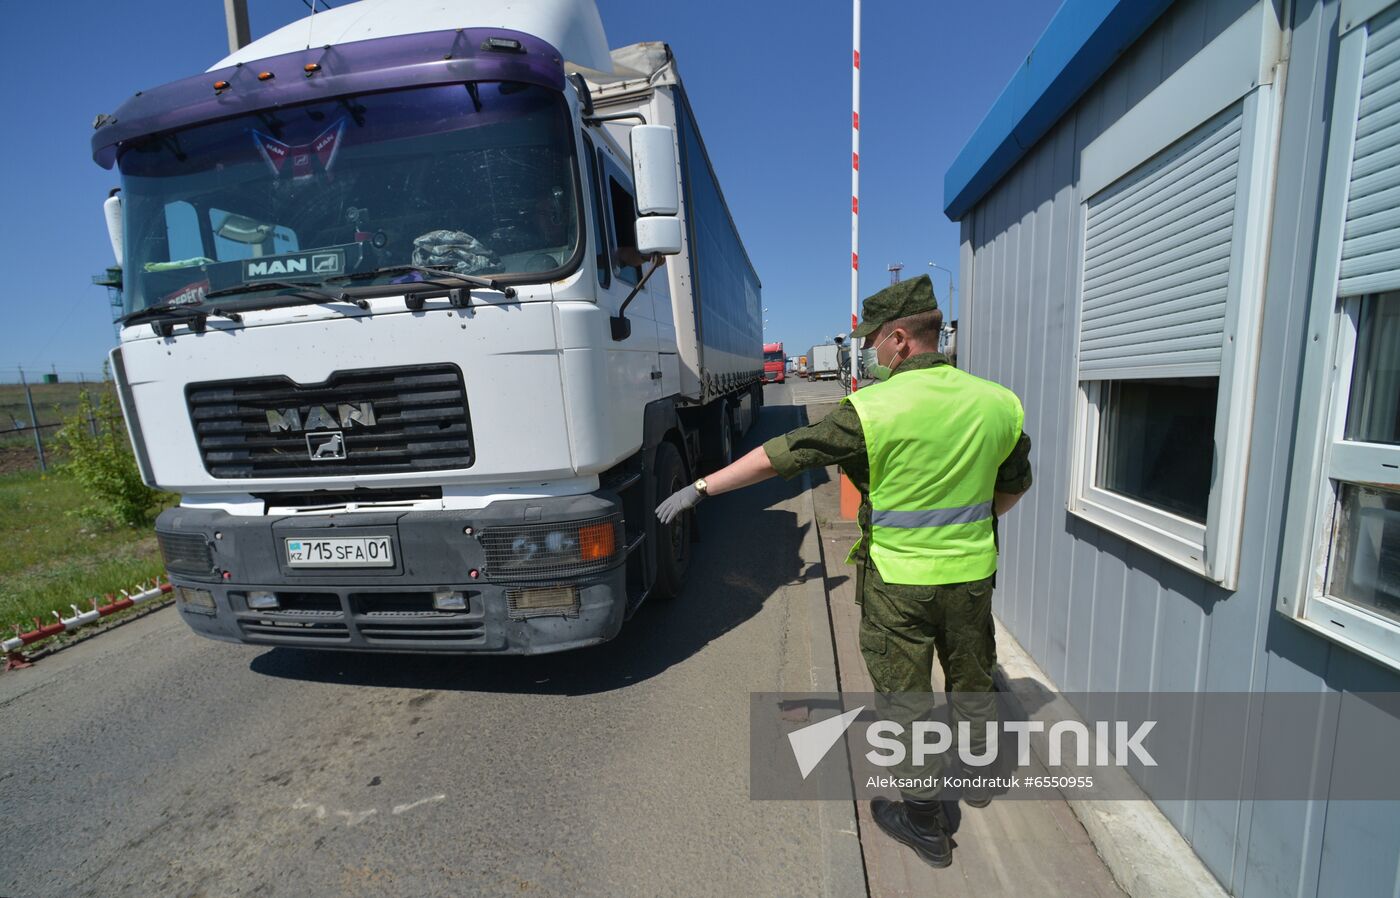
[355,818]
[400,808]
[320,808]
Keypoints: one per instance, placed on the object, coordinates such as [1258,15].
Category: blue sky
[769,80]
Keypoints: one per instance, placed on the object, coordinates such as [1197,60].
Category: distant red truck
[774,363]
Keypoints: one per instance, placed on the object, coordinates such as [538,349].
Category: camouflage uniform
[903,627]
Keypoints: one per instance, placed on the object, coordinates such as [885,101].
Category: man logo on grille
[326,446]
[319,416]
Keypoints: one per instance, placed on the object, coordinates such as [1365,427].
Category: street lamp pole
[952,291]
[236,17]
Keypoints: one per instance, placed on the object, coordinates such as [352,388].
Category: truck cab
[774,363]
[412,328]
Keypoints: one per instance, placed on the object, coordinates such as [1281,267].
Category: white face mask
[870,359]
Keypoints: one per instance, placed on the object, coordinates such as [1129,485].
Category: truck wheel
[726,436]
[673,539]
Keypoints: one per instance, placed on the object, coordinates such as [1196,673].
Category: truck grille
[404,621]
[259,427]
[294,628]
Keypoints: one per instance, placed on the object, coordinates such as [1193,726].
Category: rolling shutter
[1371,241]
[1157,257]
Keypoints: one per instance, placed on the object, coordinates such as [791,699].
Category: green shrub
[100,458]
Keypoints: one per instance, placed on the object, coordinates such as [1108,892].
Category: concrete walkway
[1016,847]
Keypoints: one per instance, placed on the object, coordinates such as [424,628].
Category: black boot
[918,824]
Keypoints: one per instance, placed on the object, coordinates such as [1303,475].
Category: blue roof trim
[1078,46]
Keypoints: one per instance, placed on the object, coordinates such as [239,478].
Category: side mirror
[659,234]
[654,170]
[658,189]
[112,211]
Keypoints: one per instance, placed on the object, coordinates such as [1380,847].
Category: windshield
[772,356]
[476,179]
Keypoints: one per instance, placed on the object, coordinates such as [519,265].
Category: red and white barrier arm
[83,618]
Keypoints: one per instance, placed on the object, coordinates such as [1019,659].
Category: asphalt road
[148,761]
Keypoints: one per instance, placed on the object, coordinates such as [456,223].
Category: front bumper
[391,609]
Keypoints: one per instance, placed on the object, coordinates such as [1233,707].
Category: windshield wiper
[307,290]
[177,312]
[166,317]
[458,298]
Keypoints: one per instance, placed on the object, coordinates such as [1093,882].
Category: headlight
[449,600]
[201,600]
[551,551]
[541,601]
[262,600]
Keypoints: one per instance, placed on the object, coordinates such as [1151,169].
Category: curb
[842,857]
[841,850]
[1146,855]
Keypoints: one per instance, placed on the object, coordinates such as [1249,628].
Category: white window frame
[1238,66]
[1163,532]
[1323,460]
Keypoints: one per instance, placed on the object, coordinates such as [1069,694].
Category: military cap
[896,301]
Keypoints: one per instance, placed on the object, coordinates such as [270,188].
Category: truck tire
[725,436]
[673,539]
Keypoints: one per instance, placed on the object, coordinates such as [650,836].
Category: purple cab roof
[410,60]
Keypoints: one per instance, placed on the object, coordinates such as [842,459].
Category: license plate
[354,551]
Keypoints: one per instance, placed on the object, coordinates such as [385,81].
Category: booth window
[1169,285]
[1342,536]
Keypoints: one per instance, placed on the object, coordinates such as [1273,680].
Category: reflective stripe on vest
[935,438]
[933,517]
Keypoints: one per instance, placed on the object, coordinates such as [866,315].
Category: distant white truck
[823,362]
[399,333]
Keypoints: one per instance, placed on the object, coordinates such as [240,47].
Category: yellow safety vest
[935,438]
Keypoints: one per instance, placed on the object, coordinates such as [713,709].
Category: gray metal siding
[1099,613]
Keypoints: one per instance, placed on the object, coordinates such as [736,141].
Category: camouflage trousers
[902,630]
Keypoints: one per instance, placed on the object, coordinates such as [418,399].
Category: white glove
[681,500]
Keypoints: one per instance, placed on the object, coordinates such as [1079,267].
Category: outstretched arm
[833,440]
[753,467]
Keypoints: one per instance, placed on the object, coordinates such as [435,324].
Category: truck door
[643,369]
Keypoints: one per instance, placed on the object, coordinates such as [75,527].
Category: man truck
[427,304]
[774,363]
